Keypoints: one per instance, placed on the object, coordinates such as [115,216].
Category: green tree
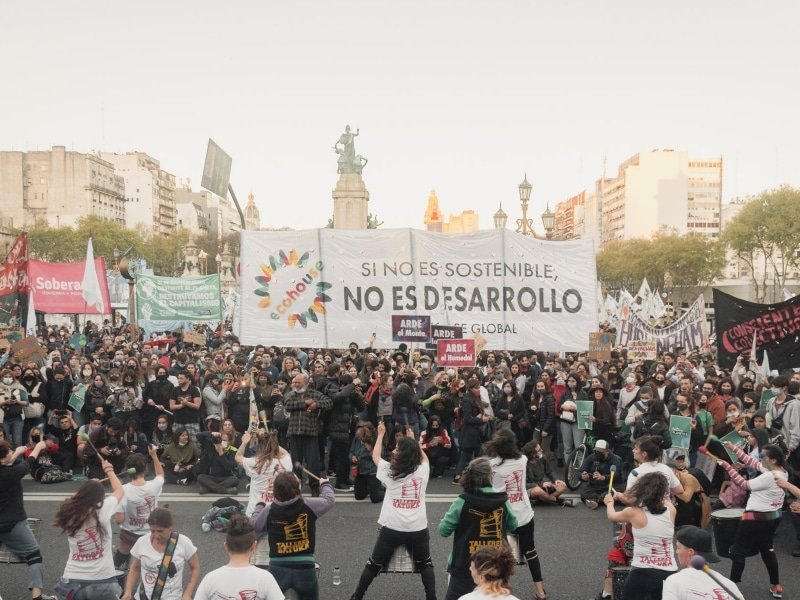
[765,236]
[692,260]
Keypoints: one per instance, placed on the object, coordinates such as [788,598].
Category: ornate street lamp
[500,218]
[525,225]
[548,221]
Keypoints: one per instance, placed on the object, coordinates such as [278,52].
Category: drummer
[691,541]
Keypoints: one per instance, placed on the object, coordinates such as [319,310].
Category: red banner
[57,287]
[13,272]
[455,353]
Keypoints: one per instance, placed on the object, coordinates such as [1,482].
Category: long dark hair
[503,445]
[649,491]
[81,508]
[406,460]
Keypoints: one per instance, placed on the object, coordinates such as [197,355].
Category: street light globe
[525,190]
[500,218]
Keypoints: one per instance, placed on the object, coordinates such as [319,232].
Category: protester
[652,517]
[159,560]
[479,518]
[15,533]
[647,454]
[691,582]
[596,473]
[403,518]
[139,500]
[290,522]
[363,470]
[185,402]
[542,486]
[491,570]
[13,398]
[436,444]
[509,468]
[86,519]
[180,457]
[239,578]
[762,514]
[262,469]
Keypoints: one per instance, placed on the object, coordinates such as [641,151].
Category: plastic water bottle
[337,576]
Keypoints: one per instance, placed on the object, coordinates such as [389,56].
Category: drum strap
[163,570]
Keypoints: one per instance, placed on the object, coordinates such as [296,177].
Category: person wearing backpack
[785,417]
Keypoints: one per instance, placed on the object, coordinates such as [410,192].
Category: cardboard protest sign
[600,344]
[411,328]
[444,332]
[585,410]
[192,337]
[736,439]
[641,349]
[27,349]
[9,335]
[680,429]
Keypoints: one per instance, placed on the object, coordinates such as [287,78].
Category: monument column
[350,196]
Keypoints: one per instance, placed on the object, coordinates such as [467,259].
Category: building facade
[463,222]
[221,216]
[252,217]
[661,190]
[149,190]
[59,187]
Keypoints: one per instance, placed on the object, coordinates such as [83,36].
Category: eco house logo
[296,278]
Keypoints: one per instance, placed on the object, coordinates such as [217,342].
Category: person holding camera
[110,443]
[216,472]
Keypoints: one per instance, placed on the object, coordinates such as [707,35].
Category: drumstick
[310,474]
[162,409]
[704,450]
[130,471]
[611,478]
[85,437]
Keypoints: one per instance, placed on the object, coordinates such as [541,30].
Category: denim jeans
[13,429]
[302,580]
[21,541]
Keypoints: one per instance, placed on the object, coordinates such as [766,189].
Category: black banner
[776,327]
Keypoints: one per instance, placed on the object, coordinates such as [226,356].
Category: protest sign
[585,410]
[641,349]
[600,344]
[455,353]
[767,396]
[9,335]
[736,439]
[57,287]
[688,332]
[411,328]
[77,398]
[178,298]
[444,332]
[192,337]
[680,429]
[27,349]
[319,287]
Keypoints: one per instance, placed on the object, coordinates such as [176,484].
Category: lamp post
[203,256]
[525,225]
[500,218]
[218,260]
[548,221]
[669,285]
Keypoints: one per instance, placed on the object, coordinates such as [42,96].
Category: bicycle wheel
[572,470]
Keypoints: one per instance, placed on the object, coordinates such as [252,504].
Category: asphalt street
[572,544]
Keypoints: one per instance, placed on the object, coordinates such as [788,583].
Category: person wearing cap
[690,583]
[596,471]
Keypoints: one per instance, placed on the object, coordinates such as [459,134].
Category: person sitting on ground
[180,458]
[435,442]
[542,486]
[363,470]
[216,471]
[596,472]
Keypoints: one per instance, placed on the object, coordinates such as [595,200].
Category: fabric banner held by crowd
[178,298]
[57,287]
[14,282]
[776,327]
[327,287]
[688,332]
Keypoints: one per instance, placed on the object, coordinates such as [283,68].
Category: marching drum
[401,562]
[619,575]
[724,523]
[513,540]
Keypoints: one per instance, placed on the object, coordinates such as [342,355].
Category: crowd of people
[224,419]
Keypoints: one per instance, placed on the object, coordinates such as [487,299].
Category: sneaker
[232,491]
[776,591]
[48,597]
[343,488]
[602,596]
[592,504]
[183,481]
[456,480]
[568,502]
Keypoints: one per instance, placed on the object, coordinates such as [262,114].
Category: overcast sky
[462,96]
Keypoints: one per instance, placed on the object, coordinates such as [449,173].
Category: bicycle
[572,466]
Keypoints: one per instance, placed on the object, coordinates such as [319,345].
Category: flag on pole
[787,295]
[765,370]
[30,320]
[90,286]
[753,359]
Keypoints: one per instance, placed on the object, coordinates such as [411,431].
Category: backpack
[220,513]
[624,412]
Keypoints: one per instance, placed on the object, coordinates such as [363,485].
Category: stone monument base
[350,200]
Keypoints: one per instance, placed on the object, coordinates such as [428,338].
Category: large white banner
[327,288]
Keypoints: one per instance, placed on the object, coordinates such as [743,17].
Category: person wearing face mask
[217,467]
[162,434]
[734,419]
[596,471]
[126,402]
[156,396]
[547,423]
[96,397]
[35,410]
[510,412]
[567,412]
[13,398]
[57,389]
[64,430]
[540,482]
[214,395]
[716,404]
[180,457]
[473,419]
[436,444]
